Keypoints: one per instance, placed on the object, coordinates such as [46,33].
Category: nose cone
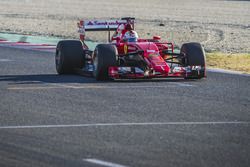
[159,64]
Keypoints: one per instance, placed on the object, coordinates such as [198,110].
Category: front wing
[136,72]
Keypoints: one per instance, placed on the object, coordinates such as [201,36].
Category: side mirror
[156,38]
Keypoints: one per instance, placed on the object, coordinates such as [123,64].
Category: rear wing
[101,25]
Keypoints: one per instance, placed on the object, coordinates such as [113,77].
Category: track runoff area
[53,120]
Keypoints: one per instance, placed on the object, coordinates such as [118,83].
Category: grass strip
[236,62]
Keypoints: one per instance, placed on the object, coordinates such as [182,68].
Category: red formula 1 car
[127,56]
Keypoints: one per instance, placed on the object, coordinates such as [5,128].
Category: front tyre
[105,56]
[194,56]
[69,56]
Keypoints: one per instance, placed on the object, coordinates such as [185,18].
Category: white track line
[125,124]
[65,86]
[5,60]
[103,163]
[34,88]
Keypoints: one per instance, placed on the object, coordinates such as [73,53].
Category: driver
[130,35]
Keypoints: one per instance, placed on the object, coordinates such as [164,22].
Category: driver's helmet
[131,36]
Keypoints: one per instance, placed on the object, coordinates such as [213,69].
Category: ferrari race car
[127,56]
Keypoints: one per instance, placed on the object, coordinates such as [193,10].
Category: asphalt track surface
[73,121]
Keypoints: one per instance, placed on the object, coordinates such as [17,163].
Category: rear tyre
[69,56]
[105,56]
[194,56]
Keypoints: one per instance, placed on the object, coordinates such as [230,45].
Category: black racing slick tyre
[194,56]
[69,56]
[105,55]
